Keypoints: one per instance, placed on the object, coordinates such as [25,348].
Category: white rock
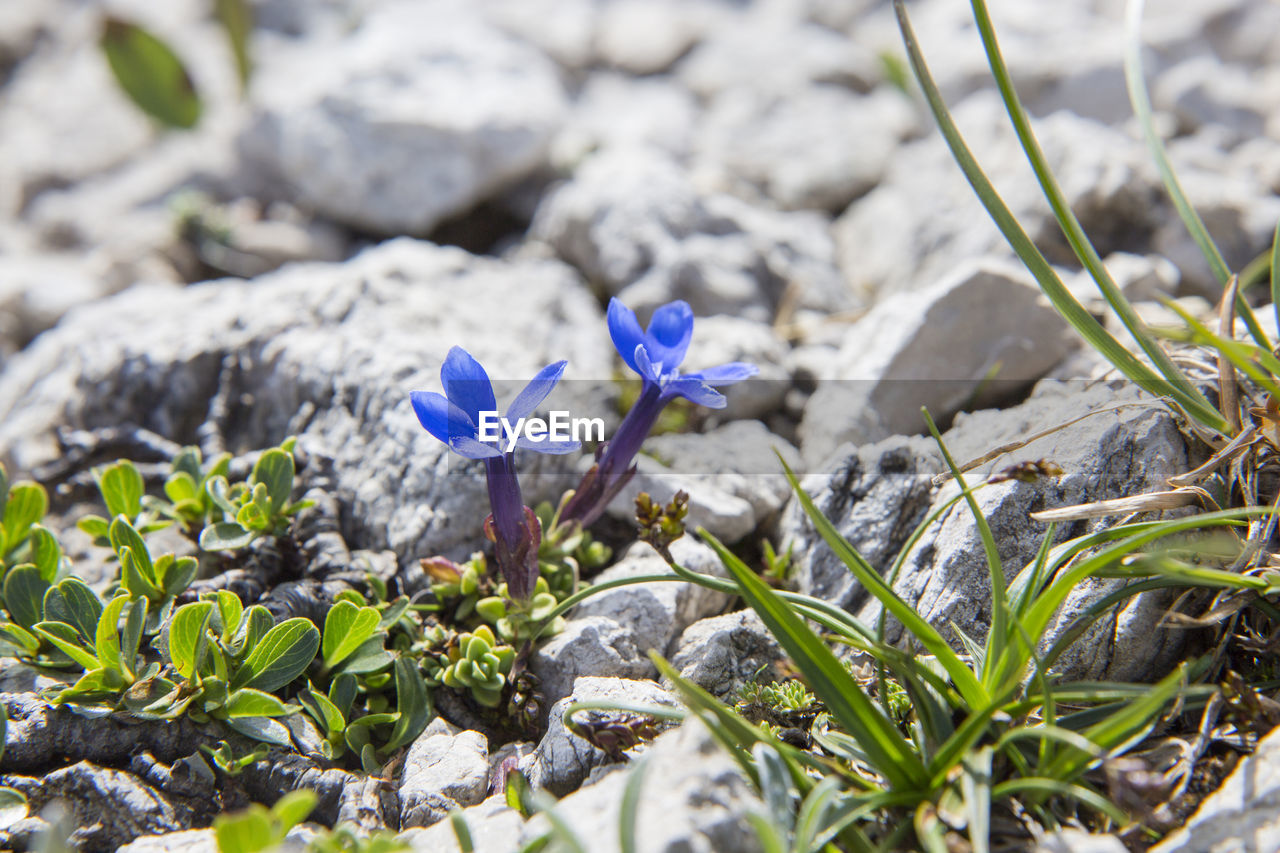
[720,653]
[1070,840]
[656,612]
[494,827]
[562,760]
[421,114]
[938,348]
[445,768]
[1240,816]
[646,36]
[693,798]
[818,147]
[633,221]
[615,110]
[590,646]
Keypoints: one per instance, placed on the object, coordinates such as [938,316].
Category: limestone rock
[445,768]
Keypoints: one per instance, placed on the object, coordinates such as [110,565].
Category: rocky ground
[402,177]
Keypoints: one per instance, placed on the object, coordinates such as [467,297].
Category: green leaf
[181,487]
[629,808]
[249,831]
[73,602]
[134,622]
[323,710]
[248,702]
[26,505]
[342,692]
[187,636]
[293,808]
[237,21]
[225,536]
[346,628]
[67,639]
[412,702]
[107,634]
[123,535]
[122,489]
[150,73]
[176,575]
[370,657]
[133,580]
[230,611]
[280,656]
[889,752]
[24,591]
[264,729]
[95,526]
[45,552]
[220,493]
[274,469]
[4,489]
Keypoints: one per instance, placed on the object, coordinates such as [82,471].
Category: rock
[1108,455]
[646,36]
[188,840]
[818,147]
[1069,840]
[731,474]
[656,612]
[562,759]
[767,53]
[694,798]
[108,808]
[591,646]
[721,653]
[445,768]
[935,349]
[632,221]
[1240,816]
[614,110]
[494,827]
[326,351]
[1203,90]
[875,496]
[422,113]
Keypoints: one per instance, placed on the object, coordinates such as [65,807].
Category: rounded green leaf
[186,636]
[280,656]
[248,702]
[24,590]
[26,505]
[107,634]
[346,628]
[122,489]
[274,469]
[72,601]
[150,73]
[225,536]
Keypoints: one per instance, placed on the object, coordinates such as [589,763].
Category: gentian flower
[454,417]
[655,353]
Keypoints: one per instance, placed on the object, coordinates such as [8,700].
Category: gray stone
[1110,454]
[1069,840]
[818,147]
[445,768]
[1203,90]
[694,799]
[590,646]
[721,653]
[329,352]
[875,496]
[188,841]
[938,348]
[647,36]
[1241,816]
[656,612]
[494,827]
[615,110]
[632,221]
[422,113]
[731,474]
[562,760]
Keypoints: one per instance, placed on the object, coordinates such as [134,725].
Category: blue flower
[655,353]
[455,418]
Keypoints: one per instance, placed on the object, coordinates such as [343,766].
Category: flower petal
[545,446]
[725,374]
[468,446]
[694,390]
[535,392]
[670,330]
[625,330]
[467,385]
[644,366]
[440,417]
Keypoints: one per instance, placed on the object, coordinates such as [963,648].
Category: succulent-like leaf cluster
[474,661]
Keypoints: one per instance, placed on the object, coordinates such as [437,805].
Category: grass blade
[889,752]
[1067,305]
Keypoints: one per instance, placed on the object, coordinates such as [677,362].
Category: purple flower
[455,418]
[655,353]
